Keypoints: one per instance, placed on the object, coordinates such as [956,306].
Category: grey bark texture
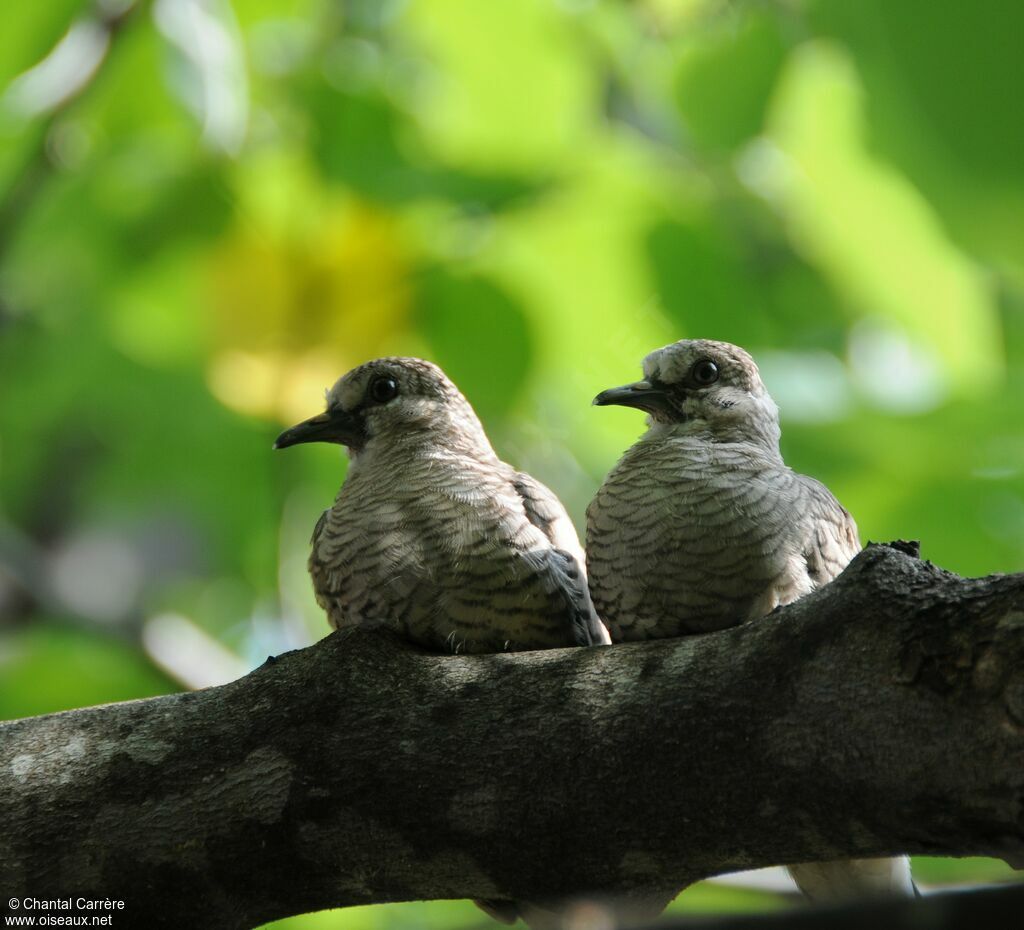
[881,714]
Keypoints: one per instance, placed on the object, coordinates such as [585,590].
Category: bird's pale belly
[474,612]
[698,560]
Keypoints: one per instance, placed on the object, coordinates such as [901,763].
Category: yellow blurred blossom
[296,310]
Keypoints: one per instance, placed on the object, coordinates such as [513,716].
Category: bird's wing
[545,511]
[565,560]
[318,529]
[320,571]
[317,567]
[832,540]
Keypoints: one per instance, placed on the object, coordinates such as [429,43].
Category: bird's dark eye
[705,372]
[383,388]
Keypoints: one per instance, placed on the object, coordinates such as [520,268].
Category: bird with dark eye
[704,372]
[383,388]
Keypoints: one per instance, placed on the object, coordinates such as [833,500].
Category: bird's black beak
[333,426]
[643,395]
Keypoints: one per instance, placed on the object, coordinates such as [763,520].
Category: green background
[210,210]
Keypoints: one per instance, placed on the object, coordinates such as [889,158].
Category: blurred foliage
[209,210]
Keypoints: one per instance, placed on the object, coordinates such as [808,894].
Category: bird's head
[389,400]
[701,386]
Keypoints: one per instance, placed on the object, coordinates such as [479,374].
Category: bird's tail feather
[850,878]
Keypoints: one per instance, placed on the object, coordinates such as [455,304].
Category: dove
[702,526]
[433,536]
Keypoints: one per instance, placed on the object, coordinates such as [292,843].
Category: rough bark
[882,714]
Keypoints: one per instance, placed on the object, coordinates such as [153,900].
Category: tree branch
[882,714]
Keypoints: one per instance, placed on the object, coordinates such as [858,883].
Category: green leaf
[932,870]
[505,86]
[725,78]
[702,286]
[356,143]
[421,915]
[457,312]
[30,32]
[866,227]
[943,87]
[50,668]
